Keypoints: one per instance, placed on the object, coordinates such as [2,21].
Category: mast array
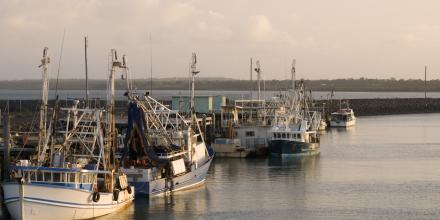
[44,99]
[258,70]
[194,72]
[86,68]
[111,138]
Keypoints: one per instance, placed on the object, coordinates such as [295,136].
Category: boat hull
[231,150]
[285,148]
[342,124]
[161,186]
[49,202]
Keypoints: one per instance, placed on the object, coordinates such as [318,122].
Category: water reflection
[341,130]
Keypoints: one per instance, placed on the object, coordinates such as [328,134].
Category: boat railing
[65,177]
[235,141]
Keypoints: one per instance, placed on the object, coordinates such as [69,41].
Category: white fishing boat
[64,193]
[343,117]
[165,152]
[74,174]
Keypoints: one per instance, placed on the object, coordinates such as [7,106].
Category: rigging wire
[59,62]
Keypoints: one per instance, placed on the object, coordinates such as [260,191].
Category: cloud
[215,14]
[23,23]
[262,30]
[177,12]
[408,38]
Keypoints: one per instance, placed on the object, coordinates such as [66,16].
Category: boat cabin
[75,178]
[343,115]
[298,136]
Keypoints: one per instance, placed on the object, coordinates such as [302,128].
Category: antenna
[59,62]
[258,70]
[86,68]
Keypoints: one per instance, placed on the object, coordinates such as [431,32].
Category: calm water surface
[387,167]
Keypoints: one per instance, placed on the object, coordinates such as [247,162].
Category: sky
[328,39]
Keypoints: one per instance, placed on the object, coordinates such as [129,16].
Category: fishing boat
[74,174]
[250,119]
[343,117]
[295,132]
[294,140]
[164,151]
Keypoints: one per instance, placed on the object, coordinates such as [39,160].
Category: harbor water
[387,167]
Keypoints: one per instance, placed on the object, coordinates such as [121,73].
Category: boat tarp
[136,144]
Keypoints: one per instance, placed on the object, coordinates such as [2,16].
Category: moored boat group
[85,167]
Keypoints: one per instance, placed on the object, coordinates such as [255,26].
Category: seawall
[362,107]
[368,107]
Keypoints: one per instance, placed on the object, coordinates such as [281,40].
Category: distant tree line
[361,84]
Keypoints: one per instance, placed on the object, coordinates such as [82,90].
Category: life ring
[129,189]
[96,197]
[115,195]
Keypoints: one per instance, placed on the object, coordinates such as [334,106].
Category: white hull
[49,202]
[343,124]
[144,185]
[230,150]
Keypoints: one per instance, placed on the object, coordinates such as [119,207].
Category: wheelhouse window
[250,133]
[56,177]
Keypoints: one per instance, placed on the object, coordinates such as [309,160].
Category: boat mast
[44,99]
[250,73]
[293,72]
[194,72]
[111,141]
[294,95]
[87,74]
[127,76]
[258,70]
